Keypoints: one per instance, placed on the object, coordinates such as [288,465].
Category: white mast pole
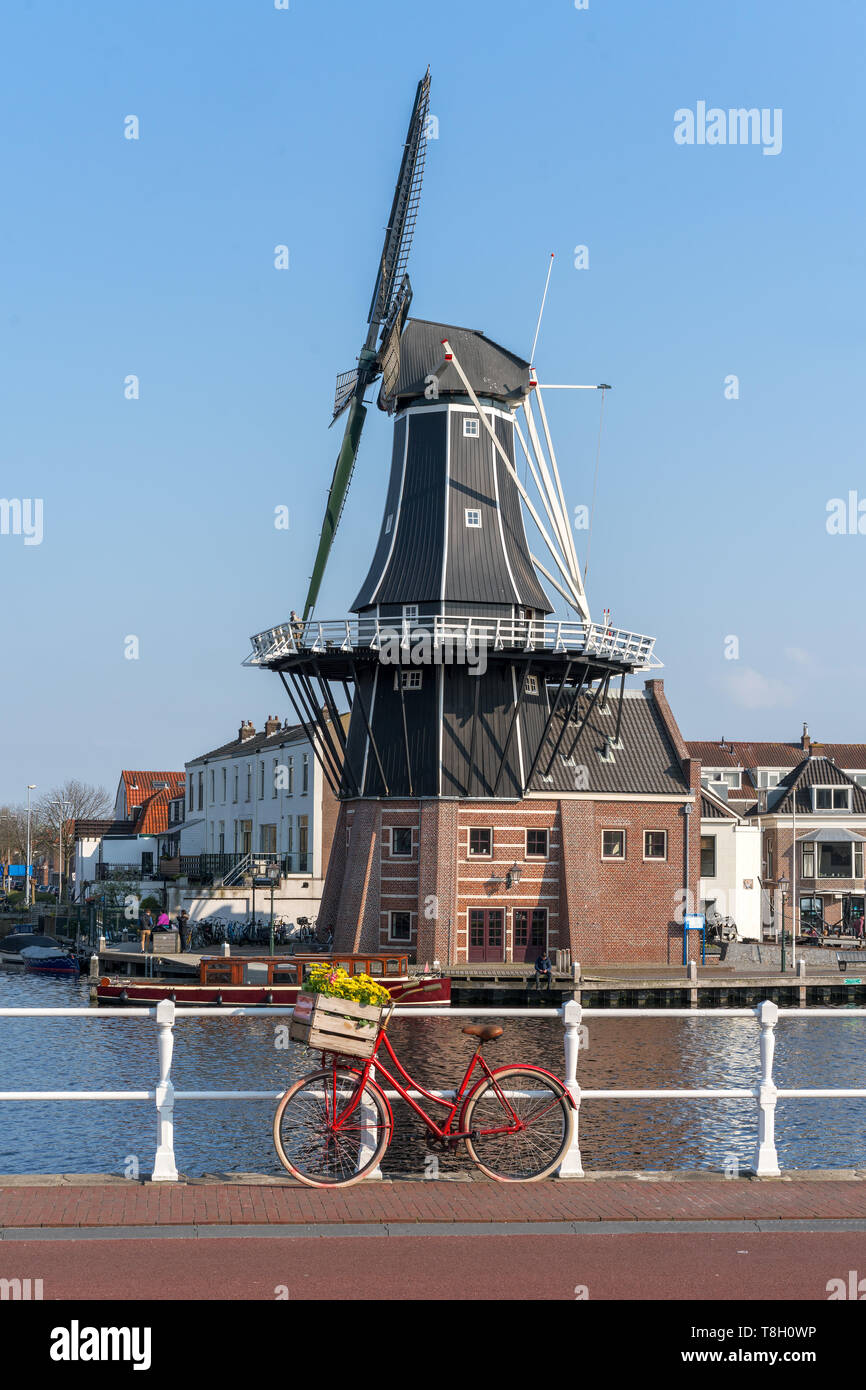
[541,310]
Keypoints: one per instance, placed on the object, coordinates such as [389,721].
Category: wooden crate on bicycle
[335,1025]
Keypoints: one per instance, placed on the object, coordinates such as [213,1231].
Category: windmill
[463,686]
[380,355]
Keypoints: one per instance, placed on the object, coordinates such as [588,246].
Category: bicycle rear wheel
[533,1146]
[312,1143]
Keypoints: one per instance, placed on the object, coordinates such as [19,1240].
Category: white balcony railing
[572,1015]
[437,633]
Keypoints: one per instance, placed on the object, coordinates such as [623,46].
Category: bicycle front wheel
[528,1144]
[315,1144]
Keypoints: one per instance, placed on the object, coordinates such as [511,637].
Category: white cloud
[748,688]
[799,656]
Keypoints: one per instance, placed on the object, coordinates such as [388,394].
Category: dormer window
[471,425]
[831,798]
[388,520]
[722,776]
[766,778]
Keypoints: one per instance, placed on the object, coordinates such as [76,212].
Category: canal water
[224,1053]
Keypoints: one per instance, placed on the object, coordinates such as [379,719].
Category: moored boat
[14,947]
[49,960]
[260,981]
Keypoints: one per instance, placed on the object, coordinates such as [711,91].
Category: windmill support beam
[308,698]
[337,724]
[511,727]
[359,697]
[566,720]
[405,731]
[602,686]
[309,733]
[321,723]
[547,726]
[472,736]
[619,711]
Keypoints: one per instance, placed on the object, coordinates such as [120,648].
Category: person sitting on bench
[543,969]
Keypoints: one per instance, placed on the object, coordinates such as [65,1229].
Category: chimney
[805,741]
[247,730]
[272,725]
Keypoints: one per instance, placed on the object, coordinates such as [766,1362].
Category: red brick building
[594,858]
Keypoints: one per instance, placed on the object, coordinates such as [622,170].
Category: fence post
[571,1166]
[766,1163]
[164,1168]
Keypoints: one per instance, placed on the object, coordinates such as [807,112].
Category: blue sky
[260,127]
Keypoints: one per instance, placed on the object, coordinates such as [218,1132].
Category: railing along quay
[572,1015]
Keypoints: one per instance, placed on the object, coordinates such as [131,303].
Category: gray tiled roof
[815,772]
[645,763]
[260,741]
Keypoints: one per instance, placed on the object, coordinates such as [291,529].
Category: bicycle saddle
[485,1032]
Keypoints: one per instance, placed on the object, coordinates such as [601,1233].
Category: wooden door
[530,934]
[486,934]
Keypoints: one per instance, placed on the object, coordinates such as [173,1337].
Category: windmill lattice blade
[336,497]
[343,391]
[404,209]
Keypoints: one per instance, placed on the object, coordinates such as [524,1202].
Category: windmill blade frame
[387,311]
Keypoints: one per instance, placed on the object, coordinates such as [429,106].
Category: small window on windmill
[532,685]
[410,680]
[388,520]
[471,426]
[473,517]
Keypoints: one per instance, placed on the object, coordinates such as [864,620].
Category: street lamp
[783,889]
[31,787]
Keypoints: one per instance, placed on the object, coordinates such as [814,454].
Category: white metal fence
[572,1015]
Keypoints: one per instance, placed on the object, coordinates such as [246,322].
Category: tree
[60,808]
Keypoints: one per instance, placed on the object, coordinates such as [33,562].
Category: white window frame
[833,789]
[763,776]
[717,775]
[472,512]
[411,678]
[532,685]
[614,858]
[471,427]
[655,858]
[477,854]
[533,854]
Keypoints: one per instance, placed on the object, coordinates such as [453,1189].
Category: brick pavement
[95,1202]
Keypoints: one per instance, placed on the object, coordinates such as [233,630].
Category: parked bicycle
[332,1127]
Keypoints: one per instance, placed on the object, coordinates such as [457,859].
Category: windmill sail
[388,307]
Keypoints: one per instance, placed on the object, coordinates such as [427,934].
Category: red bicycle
[333,1126]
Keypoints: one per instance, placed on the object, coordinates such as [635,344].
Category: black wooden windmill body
[460,681]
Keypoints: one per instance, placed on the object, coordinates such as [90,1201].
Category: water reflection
[223,1053]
